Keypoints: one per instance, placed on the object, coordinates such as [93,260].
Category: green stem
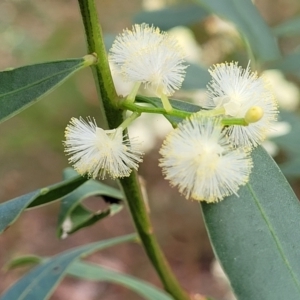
[101,70]
[154,110]
[130,185]
[131,96]
[180,113]
[130,119]
[166,103]
[235,121]
[142,222]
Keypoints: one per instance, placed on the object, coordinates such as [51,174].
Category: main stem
[130,184]
[143,225]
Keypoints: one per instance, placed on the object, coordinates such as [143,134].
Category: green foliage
[179,15]
[177,104]
[288,28]
[244,15]
[95,272]
[72,210]
[42,280]
[197,77]
[251,25]
[290,64]
[23,86]
[255,235]
[11,210]
[22,261]
[289,143]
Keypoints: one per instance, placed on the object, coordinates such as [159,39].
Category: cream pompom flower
[100,153]
[147,55]
[236,90]
[198,158]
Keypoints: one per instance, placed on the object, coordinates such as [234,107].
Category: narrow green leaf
[179,15]
[40,282]
[197,77]
[291,168]
[23,261]
[256,235]
[288,28]
[76,215]
[289,64]
[290,141]
[22,87]
[249,22]
[97,273]
[11,210]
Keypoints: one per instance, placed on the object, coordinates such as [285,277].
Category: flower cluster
[198,158]
[207,156]
[237,90]
[147,55]
[97,152]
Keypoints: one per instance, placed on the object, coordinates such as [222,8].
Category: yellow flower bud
[254,114]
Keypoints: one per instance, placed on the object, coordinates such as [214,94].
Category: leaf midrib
[71,70]
[276,240]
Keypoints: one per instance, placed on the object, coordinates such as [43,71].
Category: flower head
[198,159]
[237,90]
[97,152]
[147,55]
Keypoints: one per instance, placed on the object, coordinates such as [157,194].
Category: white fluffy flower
[198,159]
[236,90]
[147,55]
[97,152]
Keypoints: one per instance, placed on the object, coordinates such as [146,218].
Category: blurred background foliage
[31,151]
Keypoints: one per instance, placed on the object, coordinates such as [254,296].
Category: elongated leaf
[250,24]
[75,215]
[22,87]
[291,168]
[172,16]
[97,273]
[197,77]
[22,261]
[288,28]
[40,282]
[290,141]
[256,236]
[11,210]
[289,64]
